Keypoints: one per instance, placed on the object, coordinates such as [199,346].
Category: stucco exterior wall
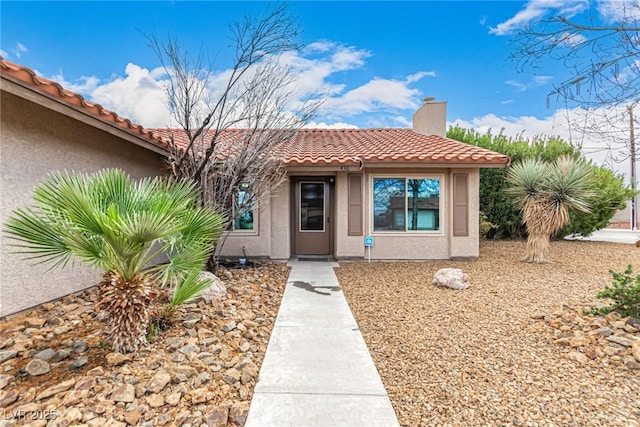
[466,246]
[35,141]
[346,246]
[409,245]
[273,239]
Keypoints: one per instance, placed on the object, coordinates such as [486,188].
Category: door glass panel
[311,206]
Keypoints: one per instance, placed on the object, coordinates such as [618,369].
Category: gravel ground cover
[55,369]
[499,352]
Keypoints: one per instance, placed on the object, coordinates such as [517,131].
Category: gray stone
[5,380]
[7,354]
[202,378]
[8,397]
[123,393]
[186,370]
[45,354]
[216,291]
[189,348]
[79,363]
[79,346]
[452,278]
[158,382]
[239,412]
[617,339]
[191,321]
[37,367]
[217,417]
[229,326]
[231,376]
[60,355]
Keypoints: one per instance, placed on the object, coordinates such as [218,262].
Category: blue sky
[375,61]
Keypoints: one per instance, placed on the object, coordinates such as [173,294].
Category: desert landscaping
[513,349]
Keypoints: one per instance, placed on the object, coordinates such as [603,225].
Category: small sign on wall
[368,242]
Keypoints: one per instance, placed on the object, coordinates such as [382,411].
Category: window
[406,204]
[312,206]
[243,208]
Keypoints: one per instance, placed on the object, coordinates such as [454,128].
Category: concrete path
[610,235]
[317,371]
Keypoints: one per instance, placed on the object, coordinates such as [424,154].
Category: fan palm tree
[123,228]
[546,192]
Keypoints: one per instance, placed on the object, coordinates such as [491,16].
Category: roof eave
[29,92]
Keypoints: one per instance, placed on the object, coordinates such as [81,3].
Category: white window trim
[407,233]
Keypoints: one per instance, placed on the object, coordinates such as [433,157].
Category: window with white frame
[243,209]
[406,204]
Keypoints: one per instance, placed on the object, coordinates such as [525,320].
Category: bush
[625,293]
[611,194]
[485,226]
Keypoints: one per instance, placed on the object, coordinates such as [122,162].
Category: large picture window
[406,204]
[243,209]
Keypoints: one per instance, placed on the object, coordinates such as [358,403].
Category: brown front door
[312,217]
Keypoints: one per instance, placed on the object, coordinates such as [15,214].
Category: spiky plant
[546,192]
[125,229]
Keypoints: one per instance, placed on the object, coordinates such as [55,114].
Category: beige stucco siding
[273,237]
[411,245]
[35,141]
[346,246]
[467,246]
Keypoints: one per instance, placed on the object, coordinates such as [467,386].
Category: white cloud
[4,54]
[535,9]
[84,85]
[536,81]
[609,150]
[335,125]
[139,94]
[375,95]
[619,10]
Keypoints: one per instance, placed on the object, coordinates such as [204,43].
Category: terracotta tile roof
[323,147]
[315,147]
[27,76]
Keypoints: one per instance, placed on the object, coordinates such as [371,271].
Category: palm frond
[190,288]
[526,179]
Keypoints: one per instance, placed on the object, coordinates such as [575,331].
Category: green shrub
[625,293]
[485,226]
[611,194]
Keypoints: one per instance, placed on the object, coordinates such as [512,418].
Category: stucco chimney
[431,118]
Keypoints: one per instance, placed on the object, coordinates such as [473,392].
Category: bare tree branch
[235,134]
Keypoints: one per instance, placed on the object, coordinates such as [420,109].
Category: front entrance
[312,212]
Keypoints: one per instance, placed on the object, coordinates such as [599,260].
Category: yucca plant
[125,229]
[546,192]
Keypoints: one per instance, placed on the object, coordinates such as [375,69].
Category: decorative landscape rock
[175,380]
[123,393]
[452,278]
[7,354]
[37,367]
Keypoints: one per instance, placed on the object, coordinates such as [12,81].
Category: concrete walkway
[610,235]
[317,371]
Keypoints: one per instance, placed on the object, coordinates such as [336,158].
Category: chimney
[431,118]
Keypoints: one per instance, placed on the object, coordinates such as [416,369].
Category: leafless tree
[603,60]
[604,65]
[236,168]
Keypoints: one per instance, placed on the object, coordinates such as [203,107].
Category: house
[414,191]
[44,128]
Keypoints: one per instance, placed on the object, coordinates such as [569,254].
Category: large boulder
[452,278]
